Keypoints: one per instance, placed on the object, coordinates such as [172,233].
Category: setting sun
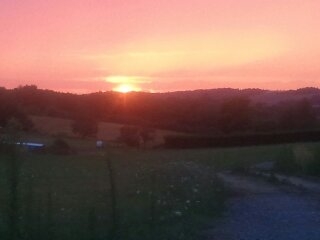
[125,88]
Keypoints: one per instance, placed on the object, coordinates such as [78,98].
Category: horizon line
[161,92]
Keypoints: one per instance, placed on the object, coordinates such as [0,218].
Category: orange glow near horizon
[126,88]
[86,46]
[125,84]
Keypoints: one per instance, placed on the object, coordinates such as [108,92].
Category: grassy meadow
[125,193]
[159,194]
[112,194]
[61,127]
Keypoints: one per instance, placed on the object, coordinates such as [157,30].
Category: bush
[130,136]
[85,127]
[286,162]
[60,146]
[299,159]
[313,167]
[6,147]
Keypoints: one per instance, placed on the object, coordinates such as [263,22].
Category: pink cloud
[222,43]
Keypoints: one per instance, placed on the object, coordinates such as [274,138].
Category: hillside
[213,111]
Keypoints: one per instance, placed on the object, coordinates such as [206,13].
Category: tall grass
[300,159]
[113,198]
[13,176]
[131,195]
[30,226]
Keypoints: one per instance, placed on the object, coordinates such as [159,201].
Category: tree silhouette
[235,115]
[85,127]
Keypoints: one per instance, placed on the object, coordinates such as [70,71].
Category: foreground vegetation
[105,195]
[127,193]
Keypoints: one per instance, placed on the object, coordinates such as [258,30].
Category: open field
[52,126]
[150,196]
[124,193]
[60,127]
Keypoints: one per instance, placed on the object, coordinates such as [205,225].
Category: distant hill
[274,97]
[206,111]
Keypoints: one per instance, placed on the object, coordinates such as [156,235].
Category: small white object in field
[99,144]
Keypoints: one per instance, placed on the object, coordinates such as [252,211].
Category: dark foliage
[235,115]
[130,135]
[210,112]
[85,127]
[61,147]
[10,111]
[240,140]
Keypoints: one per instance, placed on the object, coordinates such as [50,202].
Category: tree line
[210,112]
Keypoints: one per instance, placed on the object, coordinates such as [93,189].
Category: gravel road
[263,211]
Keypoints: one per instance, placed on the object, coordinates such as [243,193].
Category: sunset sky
[159,45]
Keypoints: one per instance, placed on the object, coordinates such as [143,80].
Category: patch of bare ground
[267,211]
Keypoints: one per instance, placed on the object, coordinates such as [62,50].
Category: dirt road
[259,210]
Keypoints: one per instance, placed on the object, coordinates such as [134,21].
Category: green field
[123,193]
[155,196]
[61,127]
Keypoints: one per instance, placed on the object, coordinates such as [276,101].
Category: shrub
[60,146]
[130,136]
[85,127]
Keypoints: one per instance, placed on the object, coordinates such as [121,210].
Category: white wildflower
[178,213]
